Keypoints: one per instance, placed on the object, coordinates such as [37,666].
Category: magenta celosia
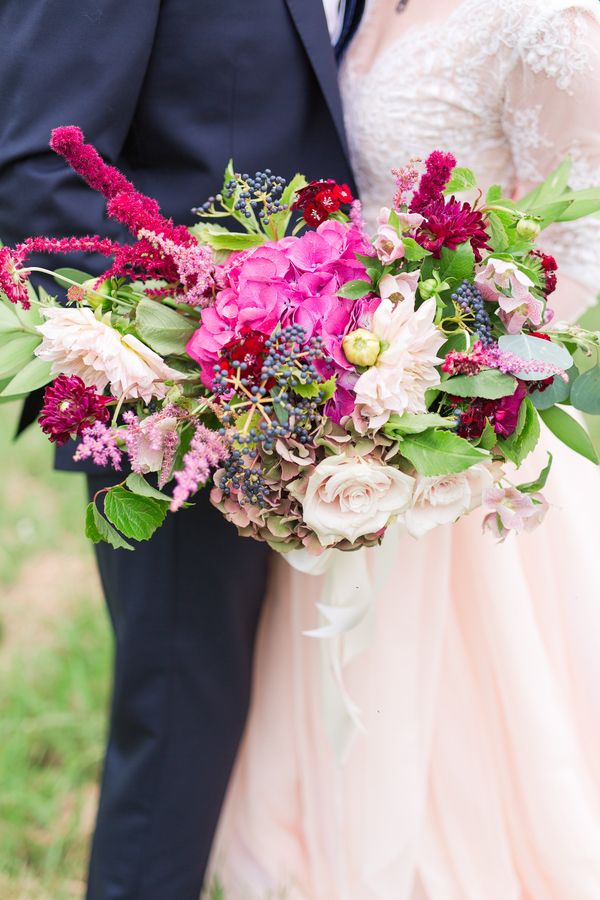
[70,408]
[99,443]
[438,169]
[207,450]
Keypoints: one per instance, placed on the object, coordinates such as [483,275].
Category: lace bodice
[510,87]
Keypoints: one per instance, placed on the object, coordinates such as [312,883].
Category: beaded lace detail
[510,87]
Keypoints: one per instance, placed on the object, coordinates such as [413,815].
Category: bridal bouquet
[322,382]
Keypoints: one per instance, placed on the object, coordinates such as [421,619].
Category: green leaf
[355,290]
[552,188]
[17,352]
[494,194]
[498,233]
[413,252]
[526,435]
[534,349]
[164,330]
[137,484]
[328,388]
[75,275]
[98,529]
[457,264]
[489,438]
[220,238]
[532,487]
[461,179]
[314,389]
[585,393]
[490,384]
[410,423]
[8,319]
[440,452]
[135,516]
[33,376]
[569,431]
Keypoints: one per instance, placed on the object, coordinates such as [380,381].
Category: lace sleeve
[552,109]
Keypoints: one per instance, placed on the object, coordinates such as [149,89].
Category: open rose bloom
[323,381]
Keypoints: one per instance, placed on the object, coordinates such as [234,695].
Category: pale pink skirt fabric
[479,775]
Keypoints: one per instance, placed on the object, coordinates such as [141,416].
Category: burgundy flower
[321,198]
[438,169]
[249,349]
[549,269]
[70,408]
[450,223]
[502,414]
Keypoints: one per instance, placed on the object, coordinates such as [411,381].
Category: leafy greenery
[490,384]
[409,423]
[585,392]
[164,330]
[354,290]
[570,432]
[98,529]
[434,452]
[134,515]
[524,439]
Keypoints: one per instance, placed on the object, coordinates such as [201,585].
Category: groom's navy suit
[168,90]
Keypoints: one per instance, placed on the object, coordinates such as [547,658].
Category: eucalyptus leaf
[569,431]
[557,392]
[134,516]
[585,393]
[164,330]
[490,384]
[34,375]
[435,452]
[533,349]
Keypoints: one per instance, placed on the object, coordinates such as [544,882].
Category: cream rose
[445,498]
[347,498]
[77,343]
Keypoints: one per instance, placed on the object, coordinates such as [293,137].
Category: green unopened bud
[428,288]
[528,229]
[361,347]
[95,297]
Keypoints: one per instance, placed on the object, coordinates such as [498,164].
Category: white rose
[443,499]
[347,498]
[77,343]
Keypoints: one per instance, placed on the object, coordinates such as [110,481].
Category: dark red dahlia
[321,198]
[70,408]
[549,270]
[438,169]
[450,223]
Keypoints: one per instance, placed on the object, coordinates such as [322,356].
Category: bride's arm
[552,109]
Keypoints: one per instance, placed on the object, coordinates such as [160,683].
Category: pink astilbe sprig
[207,450]
[493,357]
[195,267]
[438,169]
[99,443]
[406,179]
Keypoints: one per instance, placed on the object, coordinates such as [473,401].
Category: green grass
[54,674]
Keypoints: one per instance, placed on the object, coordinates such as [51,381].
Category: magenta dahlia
[70,408]
[450,223]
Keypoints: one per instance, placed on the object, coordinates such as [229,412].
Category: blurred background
[55,659]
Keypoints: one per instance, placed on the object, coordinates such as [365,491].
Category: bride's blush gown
[478,777]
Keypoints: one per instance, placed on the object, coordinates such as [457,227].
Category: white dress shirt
[334,10]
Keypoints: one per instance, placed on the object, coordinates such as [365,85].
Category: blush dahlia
[70,408]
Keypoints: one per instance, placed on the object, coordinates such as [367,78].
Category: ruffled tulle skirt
[478,777]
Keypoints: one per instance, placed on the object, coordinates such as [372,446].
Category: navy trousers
[185,632]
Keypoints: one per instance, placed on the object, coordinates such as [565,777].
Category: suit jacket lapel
[311,24]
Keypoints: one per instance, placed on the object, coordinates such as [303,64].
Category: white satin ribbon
[346,609]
